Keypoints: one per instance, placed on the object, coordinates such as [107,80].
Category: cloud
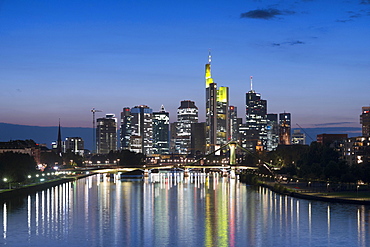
[344,21]
[296,42]
[332,124]
[265,14]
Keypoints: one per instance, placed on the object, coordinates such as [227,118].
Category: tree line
[316,162]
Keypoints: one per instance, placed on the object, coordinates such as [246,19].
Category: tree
[15,167]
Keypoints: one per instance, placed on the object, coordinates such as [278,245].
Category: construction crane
[93,110]
[305,132]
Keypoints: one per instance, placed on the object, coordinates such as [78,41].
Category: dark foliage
[16,166]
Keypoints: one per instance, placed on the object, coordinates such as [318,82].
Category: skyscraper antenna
[251,83]
[209,56]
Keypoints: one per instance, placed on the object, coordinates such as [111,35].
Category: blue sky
[59,59]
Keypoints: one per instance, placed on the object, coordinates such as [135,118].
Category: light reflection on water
[169,209]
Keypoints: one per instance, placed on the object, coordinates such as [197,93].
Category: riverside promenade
[29,188]
[305,190]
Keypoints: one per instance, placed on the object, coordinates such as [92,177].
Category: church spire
[59,141]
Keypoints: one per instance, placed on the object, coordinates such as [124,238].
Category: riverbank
[294,190]
[9,193]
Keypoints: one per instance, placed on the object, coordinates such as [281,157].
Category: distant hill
[43,134]
[313,132]
[49,134]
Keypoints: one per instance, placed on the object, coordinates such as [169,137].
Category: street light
[6,180]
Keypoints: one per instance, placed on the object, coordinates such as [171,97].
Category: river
[169,210]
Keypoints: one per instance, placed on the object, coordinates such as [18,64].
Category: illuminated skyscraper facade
[141,139]
[272,132]
[211,109]
[223,124]
[125,129]
[161,126]
[365,121]
[234,122]
[106,133]
[217,112]
[256,121]
[187,114]
[284,129]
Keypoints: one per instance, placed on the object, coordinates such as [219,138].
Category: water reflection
[5,220]
[170,209]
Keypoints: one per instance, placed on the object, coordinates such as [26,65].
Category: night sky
[59,59]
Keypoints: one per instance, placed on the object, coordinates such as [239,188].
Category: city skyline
[63,59]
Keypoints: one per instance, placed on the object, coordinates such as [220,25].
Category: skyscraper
[161,122]
[141,139]
[211,108]
[233,123]
[223,124]
[365,120]
[187,114]
[256,122]
[106,133]
[217,112]
[272,132]
[284,129]
[125,128]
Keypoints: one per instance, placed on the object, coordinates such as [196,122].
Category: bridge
[228,167]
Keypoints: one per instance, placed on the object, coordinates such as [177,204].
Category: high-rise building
[211,109]
[187,114]
[74,145]
[106,133]
[223,124]
[217,112]
[256,122]
[198,139]
[272,131]
[355,150]
[125,128]
[141,128]
[233,123]
[365,120]
[161,123]
[298,137]
[284,128]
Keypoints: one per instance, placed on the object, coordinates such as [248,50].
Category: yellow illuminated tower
[211,108]
[223,125]
[217,112]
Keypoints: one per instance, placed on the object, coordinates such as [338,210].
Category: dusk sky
[59,59]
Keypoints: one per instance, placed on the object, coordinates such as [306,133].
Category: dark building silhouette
[106,133]
[284,128]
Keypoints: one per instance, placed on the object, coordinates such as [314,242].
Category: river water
[170,210]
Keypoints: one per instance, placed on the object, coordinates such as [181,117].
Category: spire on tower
[251,83]
[162,109]
[208,76]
